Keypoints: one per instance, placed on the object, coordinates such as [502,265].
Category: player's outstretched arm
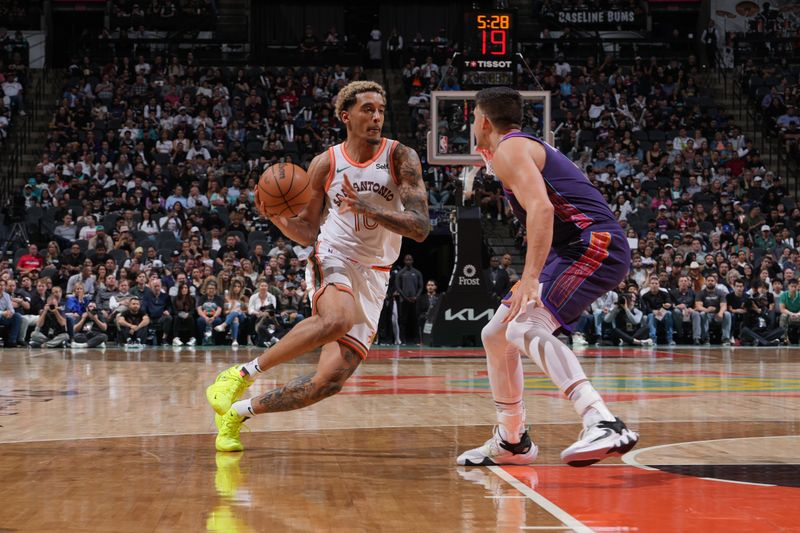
[304,227]
[414,222]
[518,171]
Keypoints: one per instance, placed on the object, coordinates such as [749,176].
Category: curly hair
[347,96]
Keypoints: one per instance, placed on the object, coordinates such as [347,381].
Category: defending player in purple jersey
[576,252]
[584,228]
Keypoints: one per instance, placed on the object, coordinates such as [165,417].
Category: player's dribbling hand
[526,292]
[280,221]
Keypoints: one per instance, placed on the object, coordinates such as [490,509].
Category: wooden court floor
[113,441]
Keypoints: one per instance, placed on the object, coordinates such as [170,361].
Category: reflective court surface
[124,441]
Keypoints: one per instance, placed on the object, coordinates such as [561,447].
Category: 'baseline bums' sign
[601,18]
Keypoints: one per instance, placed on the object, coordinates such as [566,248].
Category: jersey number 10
[362,221]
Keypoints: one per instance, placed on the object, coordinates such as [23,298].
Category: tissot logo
[468,314]
[487,64]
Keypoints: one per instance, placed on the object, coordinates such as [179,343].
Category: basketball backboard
[450,138]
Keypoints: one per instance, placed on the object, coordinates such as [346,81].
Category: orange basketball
[283,190]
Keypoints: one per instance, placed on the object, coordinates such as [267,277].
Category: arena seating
[133,143]
[160,155]
[671,162]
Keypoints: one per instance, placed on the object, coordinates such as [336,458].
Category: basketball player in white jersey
[367,194]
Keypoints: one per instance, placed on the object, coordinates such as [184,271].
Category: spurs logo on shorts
[353,252]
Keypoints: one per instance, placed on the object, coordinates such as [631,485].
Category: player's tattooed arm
[304,390]
[414,222]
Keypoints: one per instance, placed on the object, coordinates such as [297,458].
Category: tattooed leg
[336,364]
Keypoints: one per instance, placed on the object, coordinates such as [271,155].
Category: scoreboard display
[489,46]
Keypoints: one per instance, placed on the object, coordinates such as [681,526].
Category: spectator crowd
[711,229]
[142,205]
[147,232]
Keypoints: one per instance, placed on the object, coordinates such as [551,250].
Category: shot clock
[489,35]
[489,45]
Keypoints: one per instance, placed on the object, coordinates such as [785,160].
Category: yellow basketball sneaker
[226,389]
[229,425]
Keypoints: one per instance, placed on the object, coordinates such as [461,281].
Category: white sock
[511,421]
[243,408]
[506,379]
[252,369]
[589,405]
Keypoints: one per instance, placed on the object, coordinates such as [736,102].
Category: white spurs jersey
[356,236]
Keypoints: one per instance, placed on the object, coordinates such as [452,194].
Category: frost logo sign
[468,276]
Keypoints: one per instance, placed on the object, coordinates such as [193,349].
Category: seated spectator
[104,295]
[51,327]
[658,304]
[257,308]
[157,305]
[790,309]
[21,300]
[738,305]
[14,92]
[209,311]
[626,319]
[90,330]
[132,324]
[77,303]
[600,308]
[9,317]
[184,325]
[100,236]
[31,261]
[757,328]
[72,260]
[711,306]
[683,298]
[140,288]
[233,311]
[85,278]
[67,231]
[148,225]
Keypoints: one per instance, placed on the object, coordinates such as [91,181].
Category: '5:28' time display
[489,34]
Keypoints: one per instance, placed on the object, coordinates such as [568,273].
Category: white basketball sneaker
[598,441]
[496,451]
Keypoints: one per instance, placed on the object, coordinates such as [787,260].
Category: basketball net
[468,173]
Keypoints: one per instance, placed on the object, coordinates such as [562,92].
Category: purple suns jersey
[577,203]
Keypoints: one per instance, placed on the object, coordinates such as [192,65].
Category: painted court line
[567,519]
[630,458]
[546,528]
[738,482]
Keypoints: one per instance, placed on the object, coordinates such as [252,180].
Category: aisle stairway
[500,240]
[399,102]
[49,103]
[29,133]
[232,24]
[724,97]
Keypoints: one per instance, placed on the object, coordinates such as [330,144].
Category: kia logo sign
[468,314]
